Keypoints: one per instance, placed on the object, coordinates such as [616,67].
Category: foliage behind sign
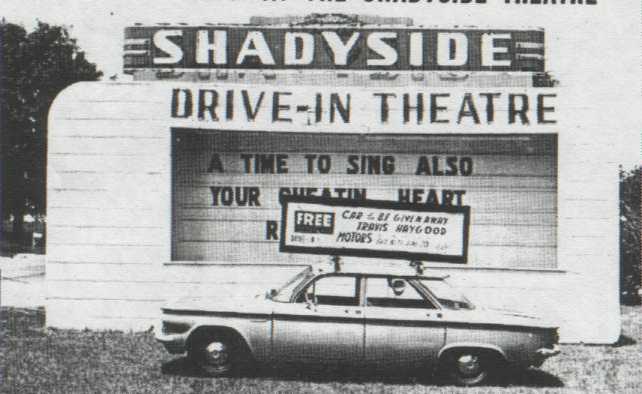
[34,68]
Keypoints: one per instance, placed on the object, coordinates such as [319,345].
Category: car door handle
[356,312]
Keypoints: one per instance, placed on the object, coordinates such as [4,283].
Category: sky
[99,26]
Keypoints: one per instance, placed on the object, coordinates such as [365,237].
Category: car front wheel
[469,367]
[215,355]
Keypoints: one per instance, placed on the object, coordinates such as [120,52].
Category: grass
[34,359]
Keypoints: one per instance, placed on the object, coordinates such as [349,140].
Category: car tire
[469,367]
[216,355]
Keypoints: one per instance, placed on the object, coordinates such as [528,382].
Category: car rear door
[331,330]
[403,327]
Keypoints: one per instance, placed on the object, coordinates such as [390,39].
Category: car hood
[212,304]
[500,317]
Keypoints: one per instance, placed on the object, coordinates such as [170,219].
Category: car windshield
[284,294]
[448,296]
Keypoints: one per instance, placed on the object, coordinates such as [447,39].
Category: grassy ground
[37,360]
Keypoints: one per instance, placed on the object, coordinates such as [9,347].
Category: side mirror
[271,294]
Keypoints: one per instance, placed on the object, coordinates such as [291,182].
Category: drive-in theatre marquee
[374,229]
[240,152]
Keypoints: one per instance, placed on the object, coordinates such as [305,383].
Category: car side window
[394,293]
[332,290]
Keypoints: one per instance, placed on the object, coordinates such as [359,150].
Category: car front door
[324,324]
[403,327]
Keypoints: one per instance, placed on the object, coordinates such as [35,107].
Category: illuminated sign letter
[377,44]
[162,42]
[416,49]
[488,50]
[295,42]
[338,48]
[204,47]
[255,45]
[452,49]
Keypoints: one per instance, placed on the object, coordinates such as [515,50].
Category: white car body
[360,331]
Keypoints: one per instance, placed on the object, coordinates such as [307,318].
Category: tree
[630,236]
[34,68]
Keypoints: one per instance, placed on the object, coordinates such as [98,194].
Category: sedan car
[367,318]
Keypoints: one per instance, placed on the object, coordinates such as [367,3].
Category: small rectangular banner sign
[371,228]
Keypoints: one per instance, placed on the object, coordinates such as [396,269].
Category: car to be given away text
[366,317]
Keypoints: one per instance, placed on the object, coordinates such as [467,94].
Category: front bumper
[544,353]
[174,343]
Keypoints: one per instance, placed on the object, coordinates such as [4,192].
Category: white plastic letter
[452,49]
[204,47]
[377,44]
[416,49]
[488,50]
[338,48]
[255,45]
[162,42]
[291,46]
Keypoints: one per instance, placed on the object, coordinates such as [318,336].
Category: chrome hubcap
[469,365]
[217,353]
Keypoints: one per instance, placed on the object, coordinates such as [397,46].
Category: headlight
[174,328]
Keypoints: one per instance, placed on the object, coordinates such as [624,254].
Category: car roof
[376,268]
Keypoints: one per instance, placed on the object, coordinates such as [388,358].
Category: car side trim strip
[348,319]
